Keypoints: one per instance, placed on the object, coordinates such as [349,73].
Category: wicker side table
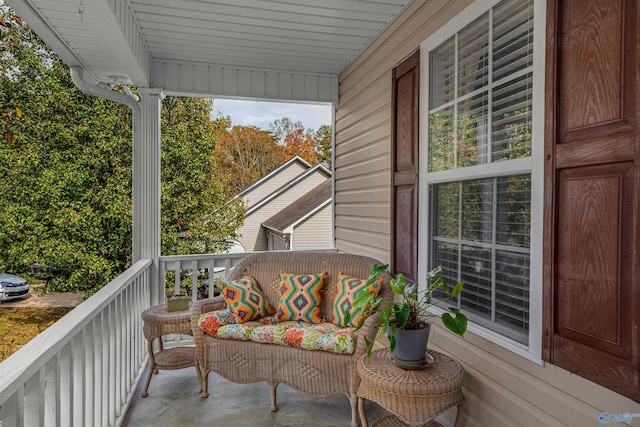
[158,322]
[415,397]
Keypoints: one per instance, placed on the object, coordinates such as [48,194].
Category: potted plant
[407,322]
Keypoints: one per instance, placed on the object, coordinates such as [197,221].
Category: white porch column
[146,185]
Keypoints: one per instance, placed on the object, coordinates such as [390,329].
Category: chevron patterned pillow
[246,300]
[300,297]
[347,288]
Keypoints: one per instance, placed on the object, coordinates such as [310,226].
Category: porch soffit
[285,49]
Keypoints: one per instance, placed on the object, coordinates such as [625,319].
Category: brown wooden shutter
[404,167]
[592,192]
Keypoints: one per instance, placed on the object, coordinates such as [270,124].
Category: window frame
[533,165]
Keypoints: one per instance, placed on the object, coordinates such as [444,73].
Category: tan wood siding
[274,182]
[314,232]
[253,236]
[363,130]
[502,389]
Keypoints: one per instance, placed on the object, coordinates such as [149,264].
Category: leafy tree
[323,141]
[300,143]
[65,172]
[295,140]
[245,154]
[281,127]
[11,25]
[198,213]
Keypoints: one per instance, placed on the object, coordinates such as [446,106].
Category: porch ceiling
[147,41]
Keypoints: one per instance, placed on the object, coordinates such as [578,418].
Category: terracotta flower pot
[411,348]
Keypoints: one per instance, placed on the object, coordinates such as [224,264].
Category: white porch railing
[83,369]
[211,266]
[192,271]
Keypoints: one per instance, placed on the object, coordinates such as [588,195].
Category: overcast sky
[262,113]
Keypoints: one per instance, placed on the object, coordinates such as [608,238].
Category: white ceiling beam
[237,82]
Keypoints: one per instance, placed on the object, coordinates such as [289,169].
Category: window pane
[512,37]
[446,208]
[476,276]
[472,131]
[495,271]
[473,53]
[511,119]
[477,207]
[512,292]
[441,140]
[442,74]
[513,210]
[446,255]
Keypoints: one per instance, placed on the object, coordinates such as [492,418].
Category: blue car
[12,287]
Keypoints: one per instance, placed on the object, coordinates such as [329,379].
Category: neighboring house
[304,224]
[276,192]
[274,180]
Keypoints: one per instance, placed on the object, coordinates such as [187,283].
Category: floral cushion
[246,300]
[300,297]
[347,288]
[323,336]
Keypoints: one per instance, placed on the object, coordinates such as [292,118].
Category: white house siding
[276,242]
[272,183]
[502,389]
[252,234]
[314,232]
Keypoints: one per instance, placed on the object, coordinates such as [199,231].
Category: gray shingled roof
[300,208]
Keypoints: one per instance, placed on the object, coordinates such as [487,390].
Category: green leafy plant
[412,311]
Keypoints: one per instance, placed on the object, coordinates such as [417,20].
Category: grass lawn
[18,326]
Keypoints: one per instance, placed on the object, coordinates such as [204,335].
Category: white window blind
[487,66]
[479,113]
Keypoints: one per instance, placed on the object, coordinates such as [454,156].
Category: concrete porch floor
[174,400]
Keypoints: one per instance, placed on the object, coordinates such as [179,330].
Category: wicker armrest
[205,306]
[197,308]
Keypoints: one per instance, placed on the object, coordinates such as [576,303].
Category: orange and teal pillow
[347,288]
[246,300]
[300,296]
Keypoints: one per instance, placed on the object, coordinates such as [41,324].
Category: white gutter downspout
[102,92]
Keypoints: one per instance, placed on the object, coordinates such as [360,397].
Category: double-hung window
[477,119]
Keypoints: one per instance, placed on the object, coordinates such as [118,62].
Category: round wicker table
[415,397]
[158,322]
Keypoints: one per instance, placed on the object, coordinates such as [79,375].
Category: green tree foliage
[281,127]
[65,172]
[196,217]
[65,175]
[323,145]
[10,25]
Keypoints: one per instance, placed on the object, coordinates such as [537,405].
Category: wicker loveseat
[315,373]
